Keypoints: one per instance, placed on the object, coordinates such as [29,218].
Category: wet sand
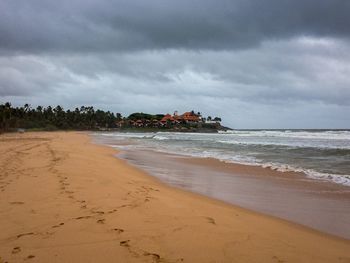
[64,199]
[322,205]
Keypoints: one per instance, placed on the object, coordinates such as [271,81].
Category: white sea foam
[336,178]
[328,135]
[245,160]
[161,138]
[291,144]
[309,152]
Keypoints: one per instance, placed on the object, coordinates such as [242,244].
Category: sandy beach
[65,199]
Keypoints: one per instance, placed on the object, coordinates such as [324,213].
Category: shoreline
[322,165]
[67,199]
[291,196]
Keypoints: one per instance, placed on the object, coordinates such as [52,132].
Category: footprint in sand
[16,250]
[155,256]
[211,220]
[82,217]
[25,234]
[125,243]
[118,230]
[101,221]
[140,252]
[60,224]
[82,202]
[17,203]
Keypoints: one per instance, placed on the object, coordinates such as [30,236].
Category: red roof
[190,116]
[187,116]
[166,118]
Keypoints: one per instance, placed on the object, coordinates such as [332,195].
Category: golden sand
[64,199]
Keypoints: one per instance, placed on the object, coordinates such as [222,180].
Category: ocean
[319,154]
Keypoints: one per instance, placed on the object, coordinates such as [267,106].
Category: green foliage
[158,116]
[85,118]
[144,116]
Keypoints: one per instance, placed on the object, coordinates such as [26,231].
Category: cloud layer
[257,64]
[78,26]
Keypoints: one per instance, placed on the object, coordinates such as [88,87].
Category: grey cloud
[30,75]
[275,73]
[105,26]
[267,63]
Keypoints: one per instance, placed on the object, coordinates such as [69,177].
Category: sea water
[319,154]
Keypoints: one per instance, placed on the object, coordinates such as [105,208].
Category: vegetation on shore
[87,118]
[49,118]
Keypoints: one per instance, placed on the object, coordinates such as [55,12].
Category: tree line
[49,118]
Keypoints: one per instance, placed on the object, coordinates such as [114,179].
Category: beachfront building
[187,119]
[191,117]
[167,119]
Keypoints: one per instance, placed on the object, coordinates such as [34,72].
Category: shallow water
[322,206]
[320,154]
[319,204]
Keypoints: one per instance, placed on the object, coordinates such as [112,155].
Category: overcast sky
[255,63]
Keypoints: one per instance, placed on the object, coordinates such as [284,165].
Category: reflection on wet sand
[321,205]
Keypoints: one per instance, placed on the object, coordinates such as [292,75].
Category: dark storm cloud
[36,26]
[261,63]
[275,73]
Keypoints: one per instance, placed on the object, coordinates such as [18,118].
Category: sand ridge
[64,199]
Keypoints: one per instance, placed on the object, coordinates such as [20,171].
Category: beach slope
[64,199]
